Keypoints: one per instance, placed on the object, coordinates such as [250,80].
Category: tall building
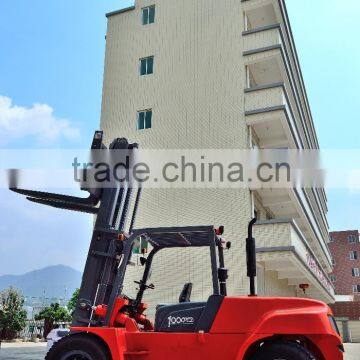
[212,74]
[345,250]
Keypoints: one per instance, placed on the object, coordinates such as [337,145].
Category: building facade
[212,74]
[345,250]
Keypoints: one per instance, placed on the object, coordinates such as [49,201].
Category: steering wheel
[150,286]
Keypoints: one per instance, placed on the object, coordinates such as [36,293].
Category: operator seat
[185,294]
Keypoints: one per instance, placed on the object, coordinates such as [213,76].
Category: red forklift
[109,325]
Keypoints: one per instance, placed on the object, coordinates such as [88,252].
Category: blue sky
[52,53]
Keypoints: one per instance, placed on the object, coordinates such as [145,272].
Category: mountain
[44,285]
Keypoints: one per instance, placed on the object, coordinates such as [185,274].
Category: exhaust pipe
[251,257]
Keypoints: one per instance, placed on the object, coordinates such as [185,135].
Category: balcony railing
[266,101]
[267,96]
[262,38]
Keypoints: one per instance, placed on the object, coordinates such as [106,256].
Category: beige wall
[196,93]
[276,287]
[268,283]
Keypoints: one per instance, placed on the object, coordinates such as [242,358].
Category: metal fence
[34,329]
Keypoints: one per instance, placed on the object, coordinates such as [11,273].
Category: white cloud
[38,121]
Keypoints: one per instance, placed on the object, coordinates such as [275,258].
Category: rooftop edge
[116,12]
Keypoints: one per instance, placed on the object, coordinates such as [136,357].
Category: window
[353,255]
[144,119]
[356,288]
[355,272]
[147,65]
[333,262]
[333,278]
[332,239]
[148,15]
[352,239]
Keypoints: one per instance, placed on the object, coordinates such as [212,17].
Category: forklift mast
[114,222]
[111,204]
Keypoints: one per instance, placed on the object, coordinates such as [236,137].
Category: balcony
[268,112]
[277,110]
[267,62]
[282,247]
[277,116]
[295,204]
[270,57]
[268,36]
[260,13]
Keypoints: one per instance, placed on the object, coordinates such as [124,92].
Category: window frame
[149,18]
[353,255]
[146,59]
[352,239]
[141,246]
[355,272]
[145,119]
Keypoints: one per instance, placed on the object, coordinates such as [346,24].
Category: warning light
[304,287]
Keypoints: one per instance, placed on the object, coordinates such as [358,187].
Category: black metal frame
[111,205]
[219,287]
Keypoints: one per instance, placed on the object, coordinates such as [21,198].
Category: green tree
[73,301]
[12,314]
[52,315]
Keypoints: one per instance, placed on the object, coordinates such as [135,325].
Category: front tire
[283,351]
[77,347]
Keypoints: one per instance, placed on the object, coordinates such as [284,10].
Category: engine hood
[272,315]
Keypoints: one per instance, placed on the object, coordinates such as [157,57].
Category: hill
[53,282]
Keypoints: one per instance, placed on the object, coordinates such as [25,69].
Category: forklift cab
[185,316]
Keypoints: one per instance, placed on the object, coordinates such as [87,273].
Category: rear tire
[283,351]
[77,347]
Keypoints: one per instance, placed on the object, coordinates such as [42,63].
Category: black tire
[78,347]
[283,351]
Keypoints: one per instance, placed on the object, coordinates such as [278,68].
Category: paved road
[22,352]
[352,351]
[38,352]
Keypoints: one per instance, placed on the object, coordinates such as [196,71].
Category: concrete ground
[352,351]
[22,351]
[28,351]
